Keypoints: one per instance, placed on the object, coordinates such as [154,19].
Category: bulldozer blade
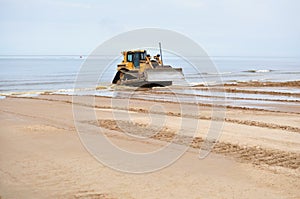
[164,74]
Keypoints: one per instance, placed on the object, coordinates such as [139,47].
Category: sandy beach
[256,156]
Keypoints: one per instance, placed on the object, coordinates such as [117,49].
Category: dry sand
[41,156]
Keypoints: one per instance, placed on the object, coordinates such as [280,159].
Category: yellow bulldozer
[138,69]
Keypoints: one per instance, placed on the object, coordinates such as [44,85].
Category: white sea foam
[24,94]
[258,71]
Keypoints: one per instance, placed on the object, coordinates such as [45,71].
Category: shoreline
[64,99]
[262,108]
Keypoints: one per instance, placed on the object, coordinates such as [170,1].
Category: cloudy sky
[222,27]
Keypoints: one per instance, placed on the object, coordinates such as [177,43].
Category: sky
[221,27]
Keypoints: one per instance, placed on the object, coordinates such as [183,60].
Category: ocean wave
[42,57]
[258,71]
[202,74]
[24,94]
[36,83]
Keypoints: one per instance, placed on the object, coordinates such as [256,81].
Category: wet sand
[256,156]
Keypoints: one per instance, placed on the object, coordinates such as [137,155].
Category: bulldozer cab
[135,57]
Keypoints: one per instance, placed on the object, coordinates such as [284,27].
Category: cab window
[143,56]
[129,57]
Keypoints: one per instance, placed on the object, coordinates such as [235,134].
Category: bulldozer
[138,69]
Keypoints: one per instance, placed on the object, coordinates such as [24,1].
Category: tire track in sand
[248,154]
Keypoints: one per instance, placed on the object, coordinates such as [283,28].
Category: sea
[33,75]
